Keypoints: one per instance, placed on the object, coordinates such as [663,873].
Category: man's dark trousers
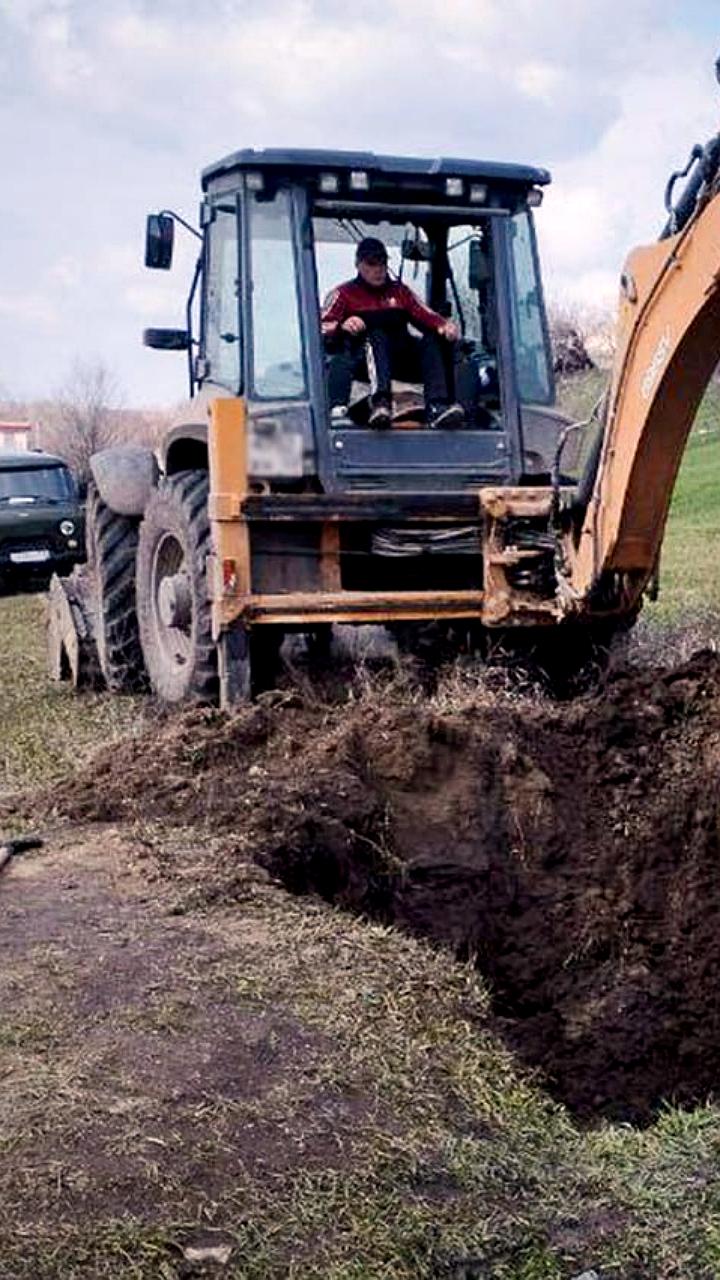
[381,354]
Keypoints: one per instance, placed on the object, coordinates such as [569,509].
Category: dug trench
[570,851]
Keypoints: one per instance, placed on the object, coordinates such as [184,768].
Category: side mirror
[478,265]
[166,339]
[416,250]
[159,234]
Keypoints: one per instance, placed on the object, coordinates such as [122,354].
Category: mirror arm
[170,213]
[188,322]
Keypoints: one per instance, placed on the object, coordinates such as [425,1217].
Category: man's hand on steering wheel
[450,331]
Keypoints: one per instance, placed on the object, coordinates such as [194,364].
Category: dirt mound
[572,850]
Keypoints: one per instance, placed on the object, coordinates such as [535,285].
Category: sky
[109,109]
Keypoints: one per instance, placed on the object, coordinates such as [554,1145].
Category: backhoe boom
[668,344]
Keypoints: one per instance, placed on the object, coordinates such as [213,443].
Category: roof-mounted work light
[454,187]
[359,180]
[329,184]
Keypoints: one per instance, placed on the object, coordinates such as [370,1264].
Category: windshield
[412,251]
[42,483]
[451,269]
[277,353]
[335,243]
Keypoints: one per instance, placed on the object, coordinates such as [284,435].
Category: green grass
[578,395]
[690,561]
[46,729]
[403,1140]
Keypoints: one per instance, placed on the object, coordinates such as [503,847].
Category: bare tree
[582,337]
[568,338]
[83,416]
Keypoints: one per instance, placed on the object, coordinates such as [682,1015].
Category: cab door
[280,388]
[221,344]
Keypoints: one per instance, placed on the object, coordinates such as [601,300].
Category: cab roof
[28,460]
[310,162]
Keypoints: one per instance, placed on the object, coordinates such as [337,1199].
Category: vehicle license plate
[29,557]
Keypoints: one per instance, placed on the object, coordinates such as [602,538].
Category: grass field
[690,562]
[382,1131]
[46,730]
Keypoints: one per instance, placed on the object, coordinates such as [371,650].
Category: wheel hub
[175,601]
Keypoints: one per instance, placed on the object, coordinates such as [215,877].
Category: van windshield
[53,484]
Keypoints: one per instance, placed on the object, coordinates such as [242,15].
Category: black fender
[185,448]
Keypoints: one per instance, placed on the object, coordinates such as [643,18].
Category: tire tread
[112,553]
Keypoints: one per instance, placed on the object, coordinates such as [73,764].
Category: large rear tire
[172,591]
[111,545]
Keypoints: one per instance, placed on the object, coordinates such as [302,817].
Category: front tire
[174,611]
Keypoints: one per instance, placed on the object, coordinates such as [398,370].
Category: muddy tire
[173,603]
[111,546]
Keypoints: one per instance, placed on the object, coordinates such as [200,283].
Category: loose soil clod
[573,850]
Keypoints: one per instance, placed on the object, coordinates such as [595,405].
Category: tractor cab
[280,230]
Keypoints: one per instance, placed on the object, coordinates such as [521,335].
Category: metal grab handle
[696,154]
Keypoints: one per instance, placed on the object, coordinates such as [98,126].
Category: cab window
[472,284]
[222,313]
[277,356]
[532,365]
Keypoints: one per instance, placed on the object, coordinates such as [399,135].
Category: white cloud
[611,197]
[111,109]
[66,272]
[539,80]
[31,307]
[145,36]
[145,299]
[60,61]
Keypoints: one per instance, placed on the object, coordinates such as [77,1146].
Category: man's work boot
[445,417]
[380,414]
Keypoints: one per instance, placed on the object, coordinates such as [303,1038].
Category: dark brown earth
[571,849]
[142,1080]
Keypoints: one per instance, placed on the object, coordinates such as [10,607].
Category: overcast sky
[110,108]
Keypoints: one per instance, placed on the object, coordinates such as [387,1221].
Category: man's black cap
[371,247]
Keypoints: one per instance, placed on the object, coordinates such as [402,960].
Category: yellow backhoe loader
[263,513]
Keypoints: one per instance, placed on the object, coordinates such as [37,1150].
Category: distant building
[16,436]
